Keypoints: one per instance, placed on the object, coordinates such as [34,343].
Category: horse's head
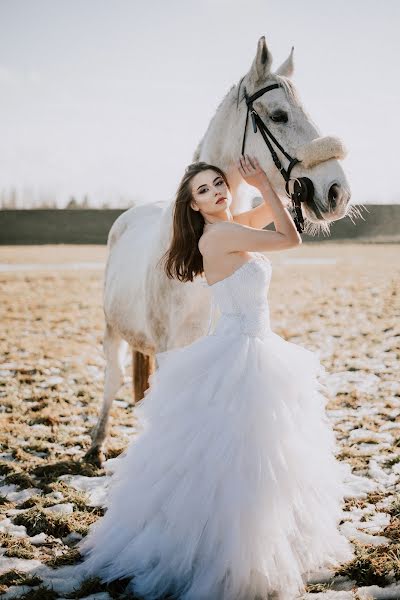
[283,114]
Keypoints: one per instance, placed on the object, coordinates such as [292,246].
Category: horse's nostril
[335,195]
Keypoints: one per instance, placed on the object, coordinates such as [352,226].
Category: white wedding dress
[231,489]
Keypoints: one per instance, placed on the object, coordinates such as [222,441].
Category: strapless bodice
[242,299]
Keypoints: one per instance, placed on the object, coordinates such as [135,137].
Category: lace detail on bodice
[242,299]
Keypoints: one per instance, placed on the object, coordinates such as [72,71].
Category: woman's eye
[203,190]
[219,182]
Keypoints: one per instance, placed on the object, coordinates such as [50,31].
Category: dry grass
[52,376]
[373,565]
[17,578]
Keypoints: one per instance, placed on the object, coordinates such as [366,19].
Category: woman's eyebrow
[200,186]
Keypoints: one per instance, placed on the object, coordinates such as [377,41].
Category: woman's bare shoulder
[212,234]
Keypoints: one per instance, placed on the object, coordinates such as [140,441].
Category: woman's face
[210,193]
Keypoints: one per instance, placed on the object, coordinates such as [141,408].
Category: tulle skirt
[231,489]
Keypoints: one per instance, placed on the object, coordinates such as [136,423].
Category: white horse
[151,313]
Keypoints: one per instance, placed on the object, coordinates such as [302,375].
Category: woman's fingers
[247,162]
[247,165]
[250,161]
[244,164]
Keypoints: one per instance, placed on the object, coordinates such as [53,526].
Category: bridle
[300,189]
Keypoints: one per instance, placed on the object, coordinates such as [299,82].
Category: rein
[299,189]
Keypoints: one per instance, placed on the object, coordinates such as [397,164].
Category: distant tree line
[10,199]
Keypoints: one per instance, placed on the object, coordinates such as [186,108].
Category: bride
[231,489]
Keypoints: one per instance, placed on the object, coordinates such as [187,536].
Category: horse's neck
[216,149]
[223,123]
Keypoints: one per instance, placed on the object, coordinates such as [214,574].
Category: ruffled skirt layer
[231,489]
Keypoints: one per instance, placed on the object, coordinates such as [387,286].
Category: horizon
[97,99]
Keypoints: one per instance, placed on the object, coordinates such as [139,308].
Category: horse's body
[151,313]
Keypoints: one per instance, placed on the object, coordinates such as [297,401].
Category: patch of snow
[394,413]
[366,449]
[72,537]
[366,434]
[7,526]
[90,419]
[64,580]
[391,386]
[110,464]
[98,596]
[396,468]
[379,474]
[62,509]
[338,413]
[7,456]
[12,493]
[341,583]
[356,513]
[345,381]
[16,591]
[37,540]
[322,575]
[75,429]
[375,523]
[357,485]
[9,366]
[390,592]
[95,373]
[19,564]
[73,450]
[95,487]
[329,595]
[385,502]
[352,533]
[125,428]
[39,427]
[368,410]
[5,373]
[121,403]
[50,381]
[55,495]
[16,511]
[388,426]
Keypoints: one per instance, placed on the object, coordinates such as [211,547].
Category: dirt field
[340,300]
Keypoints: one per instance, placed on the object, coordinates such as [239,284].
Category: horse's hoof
[95,456]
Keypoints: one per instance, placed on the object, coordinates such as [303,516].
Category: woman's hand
[251,171]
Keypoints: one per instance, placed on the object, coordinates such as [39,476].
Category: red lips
[219,200]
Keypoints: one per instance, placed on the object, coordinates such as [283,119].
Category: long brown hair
[183,259]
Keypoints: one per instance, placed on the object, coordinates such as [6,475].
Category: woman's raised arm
[231,237]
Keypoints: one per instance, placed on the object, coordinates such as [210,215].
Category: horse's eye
[279,117]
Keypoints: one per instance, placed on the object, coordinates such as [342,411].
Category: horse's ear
[286,69]
[262,62]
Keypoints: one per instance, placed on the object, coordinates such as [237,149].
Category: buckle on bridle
[253,119]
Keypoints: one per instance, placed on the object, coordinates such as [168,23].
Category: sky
[110,98]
